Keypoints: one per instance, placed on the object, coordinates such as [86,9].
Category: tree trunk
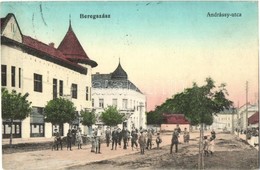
[201,156]
[11,134]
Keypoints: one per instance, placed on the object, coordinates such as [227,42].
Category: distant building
[223,121]
[172,120]
[45,72]
[253,121]
[115,89]
[242,119]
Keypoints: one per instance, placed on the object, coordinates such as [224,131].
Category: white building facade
[45,72]
[116,90]
[244,112]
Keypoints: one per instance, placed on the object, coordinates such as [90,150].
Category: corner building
[115,89]
[45,72]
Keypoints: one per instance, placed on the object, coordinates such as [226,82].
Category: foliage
[15,106]
[200,103]
[111,116]
[88,118]
[59,111]
[154,117]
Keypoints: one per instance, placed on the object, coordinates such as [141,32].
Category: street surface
[229,154]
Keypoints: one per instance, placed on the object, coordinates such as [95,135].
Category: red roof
[254,119]
[33,43]
[175,119]
[71,47]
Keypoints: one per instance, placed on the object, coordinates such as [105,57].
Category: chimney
[51,44]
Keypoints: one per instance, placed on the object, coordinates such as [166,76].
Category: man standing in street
[175,140]
[142,142]
[125,136]
[114,138]
[98,140]
[108,136]
[149,139]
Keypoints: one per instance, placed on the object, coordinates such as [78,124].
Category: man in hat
[175,140]
[142,142]
[114,138]
[108,136]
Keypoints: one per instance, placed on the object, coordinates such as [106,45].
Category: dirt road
[230,153]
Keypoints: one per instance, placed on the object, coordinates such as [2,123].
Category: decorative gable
[10,28]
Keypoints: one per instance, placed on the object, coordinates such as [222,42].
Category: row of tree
[16,106]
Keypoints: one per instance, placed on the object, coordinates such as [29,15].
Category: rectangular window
[61,88]
[124,104]
[54,88]
[93,102]
[13,76]
[87,93]
[74,91]
[19,78]
[37,82]
[114,102]
[101,103]
[3,74]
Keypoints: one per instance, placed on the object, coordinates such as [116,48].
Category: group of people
[143,139]
[208,143]
[74,136]
[115,135]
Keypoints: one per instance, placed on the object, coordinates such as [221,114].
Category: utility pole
[246,105]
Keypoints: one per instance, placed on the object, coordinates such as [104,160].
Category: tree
[15,106]
[59,111]
[200,103]
[111,116]
[154,117]
[88,118]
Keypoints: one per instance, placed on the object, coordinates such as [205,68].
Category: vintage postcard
[129,84]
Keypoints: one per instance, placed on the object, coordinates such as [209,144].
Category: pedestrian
[186,136]
[124,136]
[142,142]
[93,139]
[73,132]
[79,138]
[119,132]
[149,139]
[134,139]
[98,140]
[158,140]
[175,140]
[58,140]
[69,139]
[114,138]
[212,141]
[108,136]
[206,146]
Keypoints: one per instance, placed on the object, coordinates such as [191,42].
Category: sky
[163,46]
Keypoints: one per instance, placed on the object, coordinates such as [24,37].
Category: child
[206,146]
[158,140]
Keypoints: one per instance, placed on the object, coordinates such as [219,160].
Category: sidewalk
[48,159]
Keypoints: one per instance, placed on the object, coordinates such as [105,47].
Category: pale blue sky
[163,46]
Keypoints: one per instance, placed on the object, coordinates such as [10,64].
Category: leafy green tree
[59,111]
[15,106]
[154,118]
[199,103]
[88,118]
[111,116]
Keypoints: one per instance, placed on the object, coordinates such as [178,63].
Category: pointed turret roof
[72,49]
[119,73]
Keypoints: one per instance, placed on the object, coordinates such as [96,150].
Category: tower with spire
[115,89]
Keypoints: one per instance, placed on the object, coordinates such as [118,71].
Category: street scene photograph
[129,85]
